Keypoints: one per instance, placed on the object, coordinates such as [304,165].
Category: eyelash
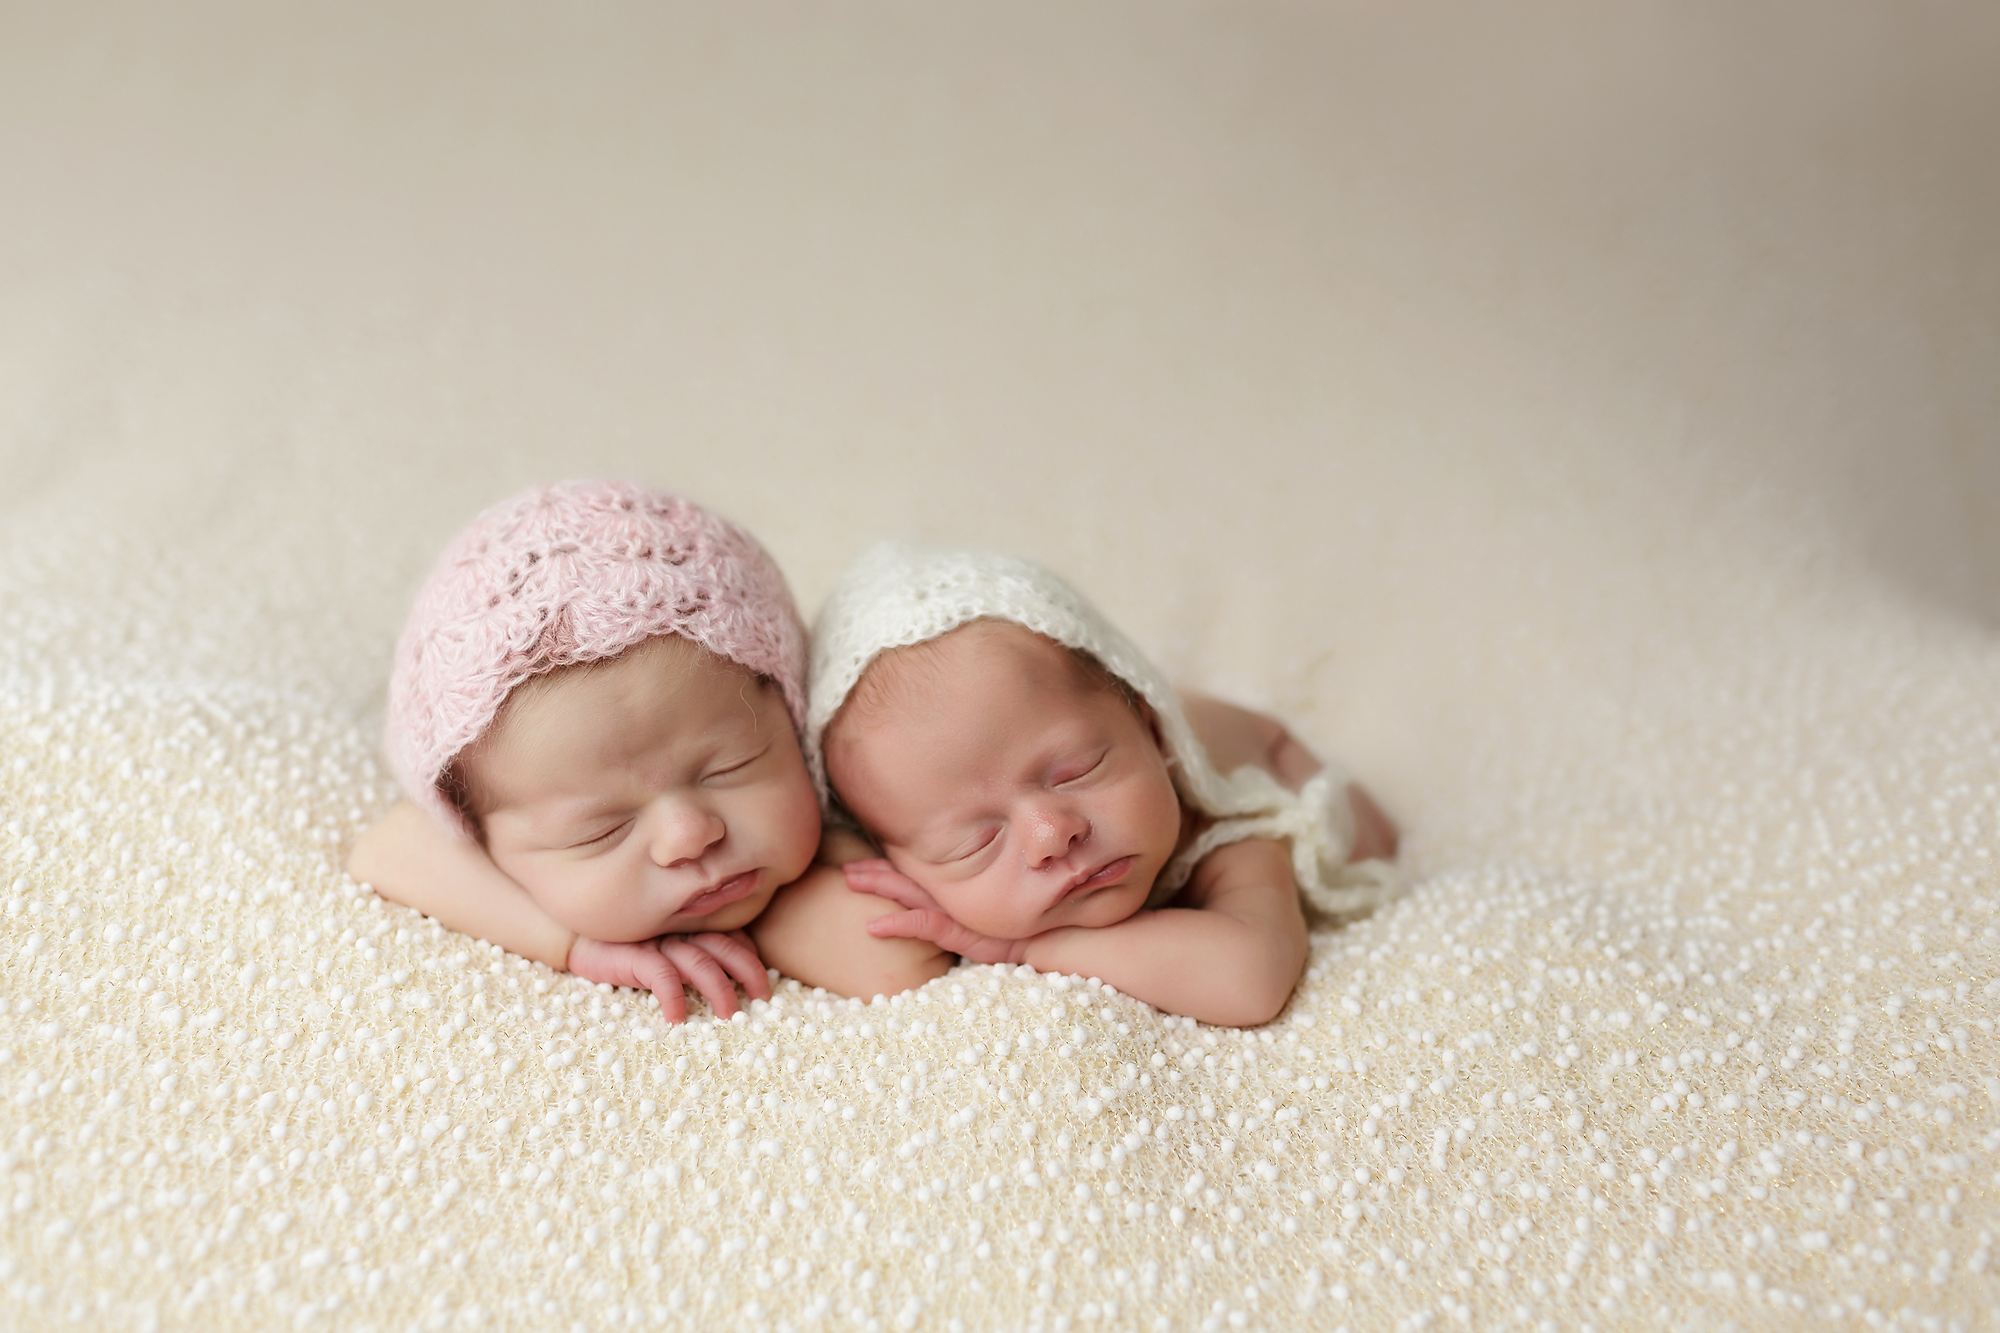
[735,767]
[1094,766]
[592,842]
[983,845]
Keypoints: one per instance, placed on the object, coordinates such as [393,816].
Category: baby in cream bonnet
[1039,795]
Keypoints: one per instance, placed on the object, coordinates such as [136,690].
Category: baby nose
[1053,830]
[681,832]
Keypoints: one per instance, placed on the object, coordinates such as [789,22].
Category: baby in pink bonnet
[594,713]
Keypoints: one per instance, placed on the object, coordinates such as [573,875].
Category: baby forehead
[979,649]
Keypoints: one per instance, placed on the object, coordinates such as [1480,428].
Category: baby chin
[1099,907]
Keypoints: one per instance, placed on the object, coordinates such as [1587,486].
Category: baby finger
[659,976]
[739,959]
[704,974]
[885,881]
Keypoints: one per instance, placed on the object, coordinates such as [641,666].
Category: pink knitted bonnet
[570,573]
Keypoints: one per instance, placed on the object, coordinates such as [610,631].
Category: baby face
[662,791]
[998,774]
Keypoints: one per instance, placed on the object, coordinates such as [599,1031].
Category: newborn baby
[593,715]
[1039,795]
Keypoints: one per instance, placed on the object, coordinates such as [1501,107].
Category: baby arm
[413,860]
[410,859]
[1236,736]
[816,930]
[1230,956]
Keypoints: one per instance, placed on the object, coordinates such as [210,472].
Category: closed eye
[973,847]
[734,766]
[600,838]
[1078,770]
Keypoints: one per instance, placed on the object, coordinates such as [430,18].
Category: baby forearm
[816,931]
[1204,965]
[409,859]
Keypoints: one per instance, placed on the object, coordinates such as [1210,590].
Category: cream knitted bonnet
[569,573]
[897,595]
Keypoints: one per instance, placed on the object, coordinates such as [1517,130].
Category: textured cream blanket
[1584,424]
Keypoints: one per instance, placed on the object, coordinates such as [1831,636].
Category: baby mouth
[723,894]
[1109,873]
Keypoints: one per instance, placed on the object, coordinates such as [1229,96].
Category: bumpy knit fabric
[897,595]
[570,573]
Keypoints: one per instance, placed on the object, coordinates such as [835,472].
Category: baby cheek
[990,913]
[795,825]
[543,880]
[601,901]
[1159,816]
[962,902]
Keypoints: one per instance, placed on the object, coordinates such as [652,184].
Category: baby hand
[665,965]
[924,919]
[875,875]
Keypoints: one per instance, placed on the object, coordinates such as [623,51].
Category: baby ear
[1152,720]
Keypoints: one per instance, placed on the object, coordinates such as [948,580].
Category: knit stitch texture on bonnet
[569,573]
[898,594]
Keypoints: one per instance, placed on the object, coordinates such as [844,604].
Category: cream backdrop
[1585,420]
